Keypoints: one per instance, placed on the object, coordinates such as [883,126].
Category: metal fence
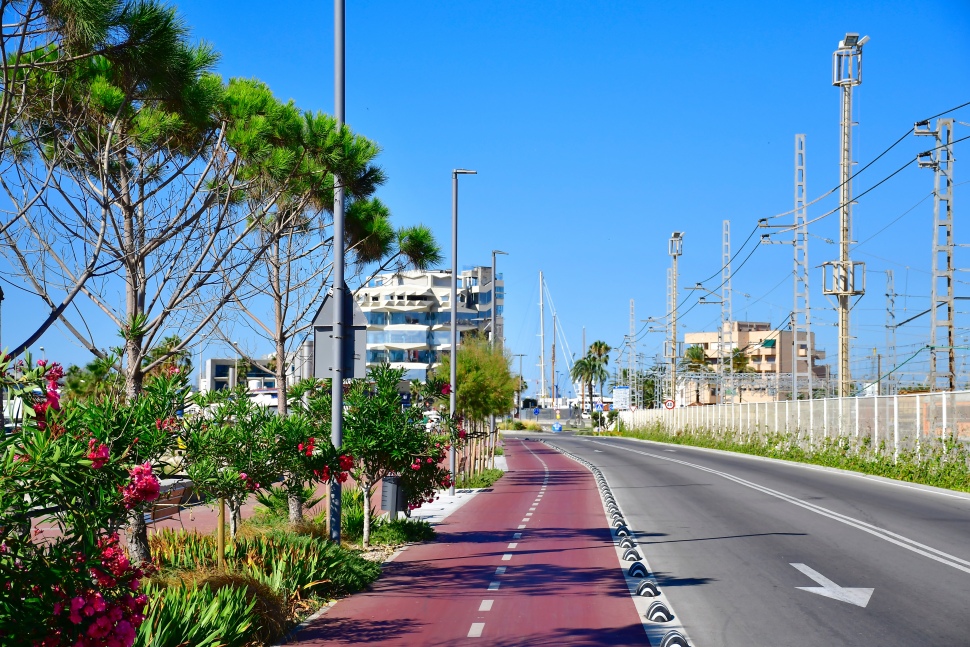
[896,422]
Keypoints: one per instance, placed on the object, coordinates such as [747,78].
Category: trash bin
[391,493]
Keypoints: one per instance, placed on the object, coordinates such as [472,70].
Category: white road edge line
[882,533]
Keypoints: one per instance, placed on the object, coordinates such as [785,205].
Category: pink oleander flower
[144,486]
[98,453]
[446,389]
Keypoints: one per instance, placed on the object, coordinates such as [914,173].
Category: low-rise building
[770,354]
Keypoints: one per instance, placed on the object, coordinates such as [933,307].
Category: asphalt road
[722,533]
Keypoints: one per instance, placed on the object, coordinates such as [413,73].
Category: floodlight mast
[839,277]
[675,248]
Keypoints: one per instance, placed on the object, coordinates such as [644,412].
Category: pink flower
[243,476]
[446,389]
[98,453]
[144,486]
[42,363]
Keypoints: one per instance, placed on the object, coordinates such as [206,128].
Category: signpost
[535,412]
[621,398]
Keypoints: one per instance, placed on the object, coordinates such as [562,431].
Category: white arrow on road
[858,596]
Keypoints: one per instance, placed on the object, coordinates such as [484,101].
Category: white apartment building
[409,315]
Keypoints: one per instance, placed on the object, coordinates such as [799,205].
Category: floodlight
[851,40]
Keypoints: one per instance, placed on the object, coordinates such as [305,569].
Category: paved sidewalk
[530,562]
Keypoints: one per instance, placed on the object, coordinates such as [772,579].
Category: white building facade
[409,315]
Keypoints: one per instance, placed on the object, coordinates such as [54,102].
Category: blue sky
[599,128]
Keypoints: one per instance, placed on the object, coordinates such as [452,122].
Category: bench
[171,499]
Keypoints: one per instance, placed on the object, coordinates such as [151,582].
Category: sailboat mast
[542,341]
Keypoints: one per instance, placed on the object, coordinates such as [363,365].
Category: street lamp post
[337,381]
[495,338]
[454,310]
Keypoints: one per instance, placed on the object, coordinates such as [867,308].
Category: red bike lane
[530,562]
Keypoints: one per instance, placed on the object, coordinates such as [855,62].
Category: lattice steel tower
[675,248]
[940,159]
[839,277]
[727,325]
[802,319]
[891,387]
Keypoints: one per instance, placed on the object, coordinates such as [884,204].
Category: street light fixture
[454,310]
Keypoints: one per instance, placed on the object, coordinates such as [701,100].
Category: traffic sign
[556,427]
[668,404]
[598,406]
[536,411]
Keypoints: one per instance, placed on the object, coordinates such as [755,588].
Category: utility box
[355,339]
[392,496]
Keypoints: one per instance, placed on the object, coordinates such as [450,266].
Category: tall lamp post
[454,310]
[496,342]
[337,382]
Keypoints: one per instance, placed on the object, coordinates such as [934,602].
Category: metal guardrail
[899,422]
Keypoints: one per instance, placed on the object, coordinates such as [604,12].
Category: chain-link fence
[896,422]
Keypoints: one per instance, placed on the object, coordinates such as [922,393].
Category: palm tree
[694,359]
[739,361]
[582,372]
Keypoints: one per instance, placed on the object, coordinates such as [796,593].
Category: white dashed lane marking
[476,630]
[517,535]
[513,545]
[494,586]
[486,605]
[500,570]
[507,556]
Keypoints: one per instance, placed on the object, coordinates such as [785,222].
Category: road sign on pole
[668,404]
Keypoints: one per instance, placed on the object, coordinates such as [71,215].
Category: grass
[481,480]
[520,425]
[941,464]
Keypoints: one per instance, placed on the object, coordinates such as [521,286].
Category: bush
[202,616]
[402,531]
[294,566]
[484,479]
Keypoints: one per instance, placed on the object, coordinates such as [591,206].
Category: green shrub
[499,450]
[291,565]
[201,616]
[402,531]
[481,480]
[275,504]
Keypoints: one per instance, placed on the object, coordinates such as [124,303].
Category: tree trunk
[294,500]
[136,534]
[235,515]
[365,491]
